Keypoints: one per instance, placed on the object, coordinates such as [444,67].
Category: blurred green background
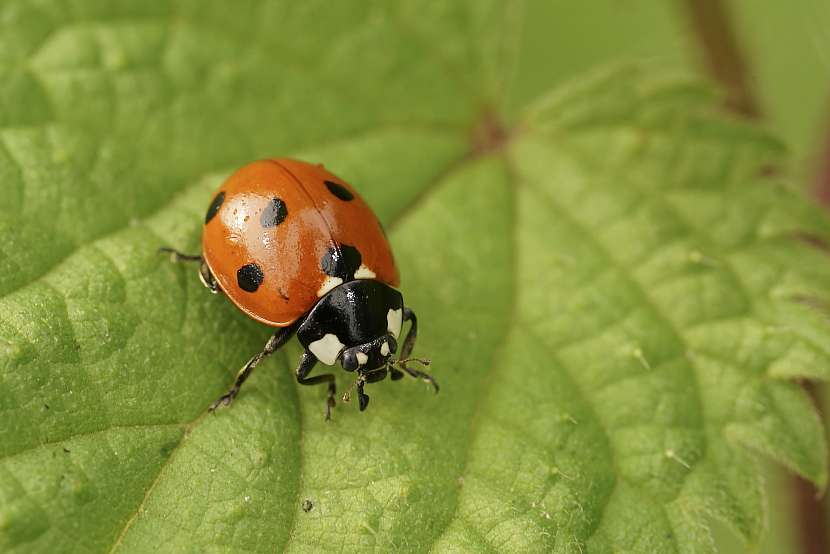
[785,47]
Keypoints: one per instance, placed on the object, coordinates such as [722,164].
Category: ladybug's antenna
[423,361]
[418,374]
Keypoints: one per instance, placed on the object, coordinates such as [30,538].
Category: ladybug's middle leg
[208,280]
[177,256]
[278,339]
[307,363]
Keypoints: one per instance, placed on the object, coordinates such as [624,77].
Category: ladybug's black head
[371,355]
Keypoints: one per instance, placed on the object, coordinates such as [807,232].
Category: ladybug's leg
[307,363]
[278,339]
[362,397]
[423,375]
[177,256]
[409,341]
[207,278]
[406,350]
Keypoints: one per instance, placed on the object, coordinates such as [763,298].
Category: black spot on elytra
[249,277]
[274,213]
[214,206]
[339,191]
[341,262]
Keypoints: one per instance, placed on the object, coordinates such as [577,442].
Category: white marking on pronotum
[327,348]
[328,284]
[362,359]
[394,319]
[384,349]
[364,272]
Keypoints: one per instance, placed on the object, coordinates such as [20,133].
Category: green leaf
[615,289]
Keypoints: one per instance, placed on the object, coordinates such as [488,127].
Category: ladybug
[296,248]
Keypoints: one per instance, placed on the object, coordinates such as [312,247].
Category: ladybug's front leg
[307,363]
[406,350]
[373,376]
[278,339]
[409,341]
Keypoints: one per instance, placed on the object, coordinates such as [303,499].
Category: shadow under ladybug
[343,308]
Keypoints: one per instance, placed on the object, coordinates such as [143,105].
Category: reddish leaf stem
[715,34]
[822,188]
[811,510]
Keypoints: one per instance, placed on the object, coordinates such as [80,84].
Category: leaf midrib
[646,301]
[484,390]
[186,431]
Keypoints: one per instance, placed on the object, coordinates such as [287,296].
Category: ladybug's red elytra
[295,247]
